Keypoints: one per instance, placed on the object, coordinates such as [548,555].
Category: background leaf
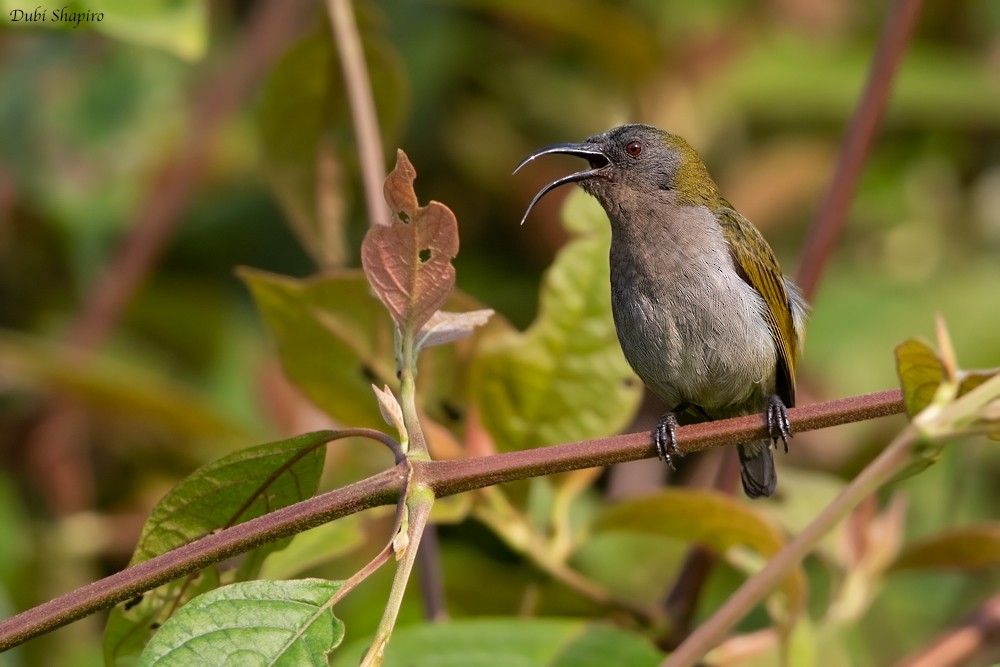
[970,547]
[565,378]
[715,520]
[115,388]
[511,643]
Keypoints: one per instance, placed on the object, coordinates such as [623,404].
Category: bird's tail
[757,469]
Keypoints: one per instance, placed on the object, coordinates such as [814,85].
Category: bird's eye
[633,148]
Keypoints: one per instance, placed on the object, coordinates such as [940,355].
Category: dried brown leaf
[408,261]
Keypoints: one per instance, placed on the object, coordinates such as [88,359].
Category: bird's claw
[665,439]
[778,425]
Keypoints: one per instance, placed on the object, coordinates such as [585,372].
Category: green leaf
[510,642]
[971,547]
[920,372]
[715,520]
[251,623]
[239,487]
[565,378]
[652,560]
[131,625]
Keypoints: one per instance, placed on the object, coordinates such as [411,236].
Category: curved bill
[589,152]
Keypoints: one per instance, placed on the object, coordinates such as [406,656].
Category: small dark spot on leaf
[368,373]
[450,410]
[404,217]
[399,375]
[425,254]
[133,602]
[629,383]
[154,626]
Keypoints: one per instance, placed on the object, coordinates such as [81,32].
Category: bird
[703,313]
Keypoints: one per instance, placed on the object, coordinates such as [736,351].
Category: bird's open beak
[589,152]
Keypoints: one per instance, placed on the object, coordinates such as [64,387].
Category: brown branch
[959,645]
[832,216]
[443,477]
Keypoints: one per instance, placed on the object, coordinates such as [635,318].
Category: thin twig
[431,576]
[362,104]
[443,477]
[830,220]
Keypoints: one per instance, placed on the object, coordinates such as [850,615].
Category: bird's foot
[778,425]
[665,439]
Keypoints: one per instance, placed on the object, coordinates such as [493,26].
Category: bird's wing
[755,263]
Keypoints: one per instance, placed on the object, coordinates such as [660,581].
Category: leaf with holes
[252,623]
[408,261]
[239,487]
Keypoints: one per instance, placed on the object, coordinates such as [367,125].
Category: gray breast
[691,328]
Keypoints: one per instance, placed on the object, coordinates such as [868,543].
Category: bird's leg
[778,425]
[665,439]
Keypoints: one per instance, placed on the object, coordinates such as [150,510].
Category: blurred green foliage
[89,115]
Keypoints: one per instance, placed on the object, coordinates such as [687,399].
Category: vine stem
[832,216]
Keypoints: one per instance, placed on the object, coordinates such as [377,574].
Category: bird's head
[633,166]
